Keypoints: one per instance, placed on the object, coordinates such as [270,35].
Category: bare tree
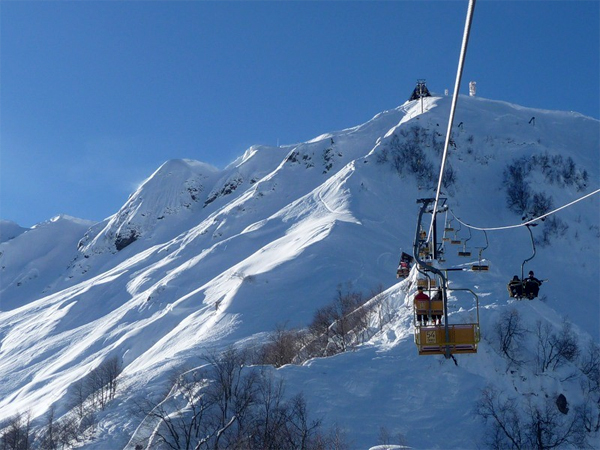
[227,405]
[506,431]
[102,382]
[547,428]
[49,436]
[15,433]
[181,415]
[554,349]
[302,431]
[320,330]
[282,346]
[385,438]
[510,332]
[348,317]
[589,365]
[271,415]
[529,425]
[67,430]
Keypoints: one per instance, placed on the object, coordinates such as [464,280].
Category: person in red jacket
[421,302]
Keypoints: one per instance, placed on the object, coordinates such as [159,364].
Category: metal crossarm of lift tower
[442,207]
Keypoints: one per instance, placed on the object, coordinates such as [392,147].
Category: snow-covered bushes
[350,319]
[510,332]
[530,424]
[15,433]
[89,395]
[282,346]
[555,169]
[536,416]
[518,192]
[406,152]
[555,348]
[228,405]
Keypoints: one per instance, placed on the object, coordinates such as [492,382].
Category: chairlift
[481,266]
[465,252]
[427,283]
[528,226]
[440,339]
[447,339]
[404,265]
[456,240]
[525,287]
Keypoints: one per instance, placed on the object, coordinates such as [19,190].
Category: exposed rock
[561,404]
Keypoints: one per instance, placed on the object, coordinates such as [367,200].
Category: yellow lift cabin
[433,337]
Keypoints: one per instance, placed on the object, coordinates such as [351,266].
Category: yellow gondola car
[463,338]
[433,340]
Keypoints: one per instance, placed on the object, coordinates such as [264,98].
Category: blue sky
[95,95]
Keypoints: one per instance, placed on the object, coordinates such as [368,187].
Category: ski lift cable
[529,221]
[461,61]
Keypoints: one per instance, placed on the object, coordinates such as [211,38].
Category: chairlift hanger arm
[533,247]
[435,270]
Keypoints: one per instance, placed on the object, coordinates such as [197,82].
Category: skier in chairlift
[515,287]
[532,286]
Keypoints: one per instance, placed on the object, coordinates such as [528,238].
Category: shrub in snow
[227,404]
[555,348]
[532,425]
[556,170]
[15,433]
[406,155]
[511,332]
[518,191]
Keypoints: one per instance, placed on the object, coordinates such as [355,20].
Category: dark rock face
[561,404]
[122,241]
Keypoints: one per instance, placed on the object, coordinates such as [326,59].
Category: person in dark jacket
[532,286]
[515,287]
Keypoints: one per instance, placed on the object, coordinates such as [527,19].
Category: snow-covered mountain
[199,259]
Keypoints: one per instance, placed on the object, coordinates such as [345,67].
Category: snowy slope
[200,258]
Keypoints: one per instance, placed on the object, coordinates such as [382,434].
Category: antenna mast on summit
[421,84]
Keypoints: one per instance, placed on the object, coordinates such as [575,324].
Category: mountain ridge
[283,229]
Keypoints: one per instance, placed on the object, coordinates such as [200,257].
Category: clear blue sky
[95,95]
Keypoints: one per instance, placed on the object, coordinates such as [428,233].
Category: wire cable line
[461,61]
[523,224]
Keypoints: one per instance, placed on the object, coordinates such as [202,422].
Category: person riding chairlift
[515,287]
[532,286]
[421,302]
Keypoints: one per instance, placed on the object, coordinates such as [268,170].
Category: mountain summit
[201,259]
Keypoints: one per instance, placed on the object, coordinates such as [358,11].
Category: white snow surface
[221,257]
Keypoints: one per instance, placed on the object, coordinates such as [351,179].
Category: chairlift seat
[466,254]
[436,307]
[429,307]
[431,340]
[402,273]
[456,242]
[480,267]
[427,283]
[422,307]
